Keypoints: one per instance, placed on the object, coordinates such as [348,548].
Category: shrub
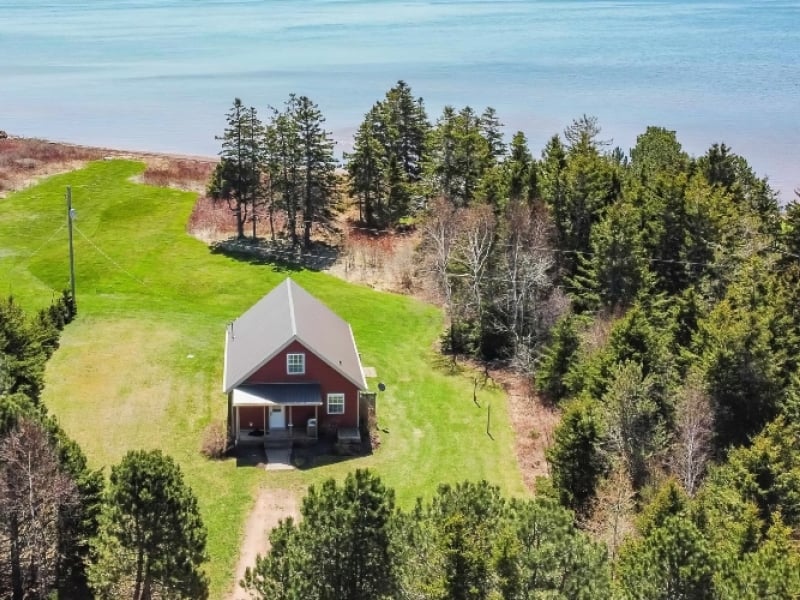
[215,440]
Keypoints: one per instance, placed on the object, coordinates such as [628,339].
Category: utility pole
[70,216]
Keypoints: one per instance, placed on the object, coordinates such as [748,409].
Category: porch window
[295,364]
[335,404]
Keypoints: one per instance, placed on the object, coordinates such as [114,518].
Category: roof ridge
[291,305]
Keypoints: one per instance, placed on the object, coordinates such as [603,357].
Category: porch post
[290,417]
[266,423]
[236,427]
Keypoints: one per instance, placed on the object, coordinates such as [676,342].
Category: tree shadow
[279,253]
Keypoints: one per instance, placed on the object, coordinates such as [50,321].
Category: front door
[277,418]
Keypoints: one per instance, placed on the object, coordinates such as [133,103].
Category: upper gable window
[295,364]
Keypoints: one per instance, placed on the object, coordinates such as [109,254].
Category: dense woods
[653,297]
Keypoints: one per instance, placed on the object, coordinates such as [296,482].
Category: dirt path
[271,506]
[533,423]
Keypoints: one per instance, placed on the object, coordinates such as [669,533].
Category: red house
[291,369]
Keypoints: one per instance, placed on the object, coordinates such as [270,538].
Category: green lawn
[141,365]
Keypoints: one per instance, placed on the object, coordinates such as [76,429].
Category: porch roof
[278,394]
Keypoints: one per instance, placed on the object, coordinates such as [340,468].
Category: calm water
[160,74]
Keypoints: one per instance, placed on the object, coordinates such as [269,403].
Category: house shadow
[279,253]
[249,455]
[326,452]
[323,452]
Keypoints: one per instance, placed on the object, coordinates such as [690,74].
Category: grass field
[141,366]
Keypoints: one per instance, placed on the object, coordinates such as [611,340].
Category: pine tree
[557,358]
[152,539]
[543,555]
[519,165]
[237,177]
[576,457]
[342,548]
[672,561]
[286,164]
[617,268]
[465,519]
[385,166]
[365,165]
[318,163]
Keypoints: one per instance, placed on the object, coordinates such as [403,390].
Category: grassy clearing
[141,366]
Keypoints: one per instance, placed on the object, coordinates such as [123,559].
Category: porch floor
[275,437]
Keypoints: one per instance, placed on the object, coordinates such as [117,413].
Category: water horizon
[159,75]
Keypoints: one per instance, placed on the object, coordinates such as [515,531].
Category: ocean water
[160,74]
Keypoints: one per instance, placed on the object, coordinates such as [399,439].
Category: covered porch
[276,412]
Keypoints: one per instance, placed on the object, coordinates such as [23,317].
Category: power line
[49,239]
[107,257]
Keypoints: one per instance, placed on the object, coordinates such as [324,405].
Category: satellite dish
[382,387]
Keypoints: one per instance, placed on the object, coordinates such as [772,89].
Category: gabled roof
[289,313]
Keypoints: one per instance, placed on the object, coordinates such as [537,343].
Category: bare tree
[528,262]
[474,249]
[694,429]
[440,231]
[611,517]
[34,495]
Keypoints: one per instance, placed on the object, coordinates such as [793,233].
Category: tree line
[64,531]
[469,543]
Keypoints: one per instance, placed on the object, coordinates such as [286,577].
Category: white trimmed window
[295,364]
[335,404]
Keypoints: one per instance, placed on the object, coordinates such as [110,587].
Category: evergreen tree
[657,155]
[790,231]
[771,571]
[388,152]
[726,170]
[519,165]
[366,168]
[541,554]
[237,177]
[673,562]
[491,126]
[465,519]
[576,457]
[558,357]
[743,365]
[152,540]
[286,164]
[342,548]
[318,163]
[617,269]
[22,356]
[460,153]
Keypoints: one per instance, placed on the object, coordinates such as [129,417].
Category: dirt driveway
[271,506]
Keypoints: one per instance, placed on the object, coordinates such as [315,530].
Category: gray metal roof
[286,314]
[278,394]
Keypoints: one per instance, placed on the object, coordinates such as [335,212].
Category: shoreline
[114,151]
